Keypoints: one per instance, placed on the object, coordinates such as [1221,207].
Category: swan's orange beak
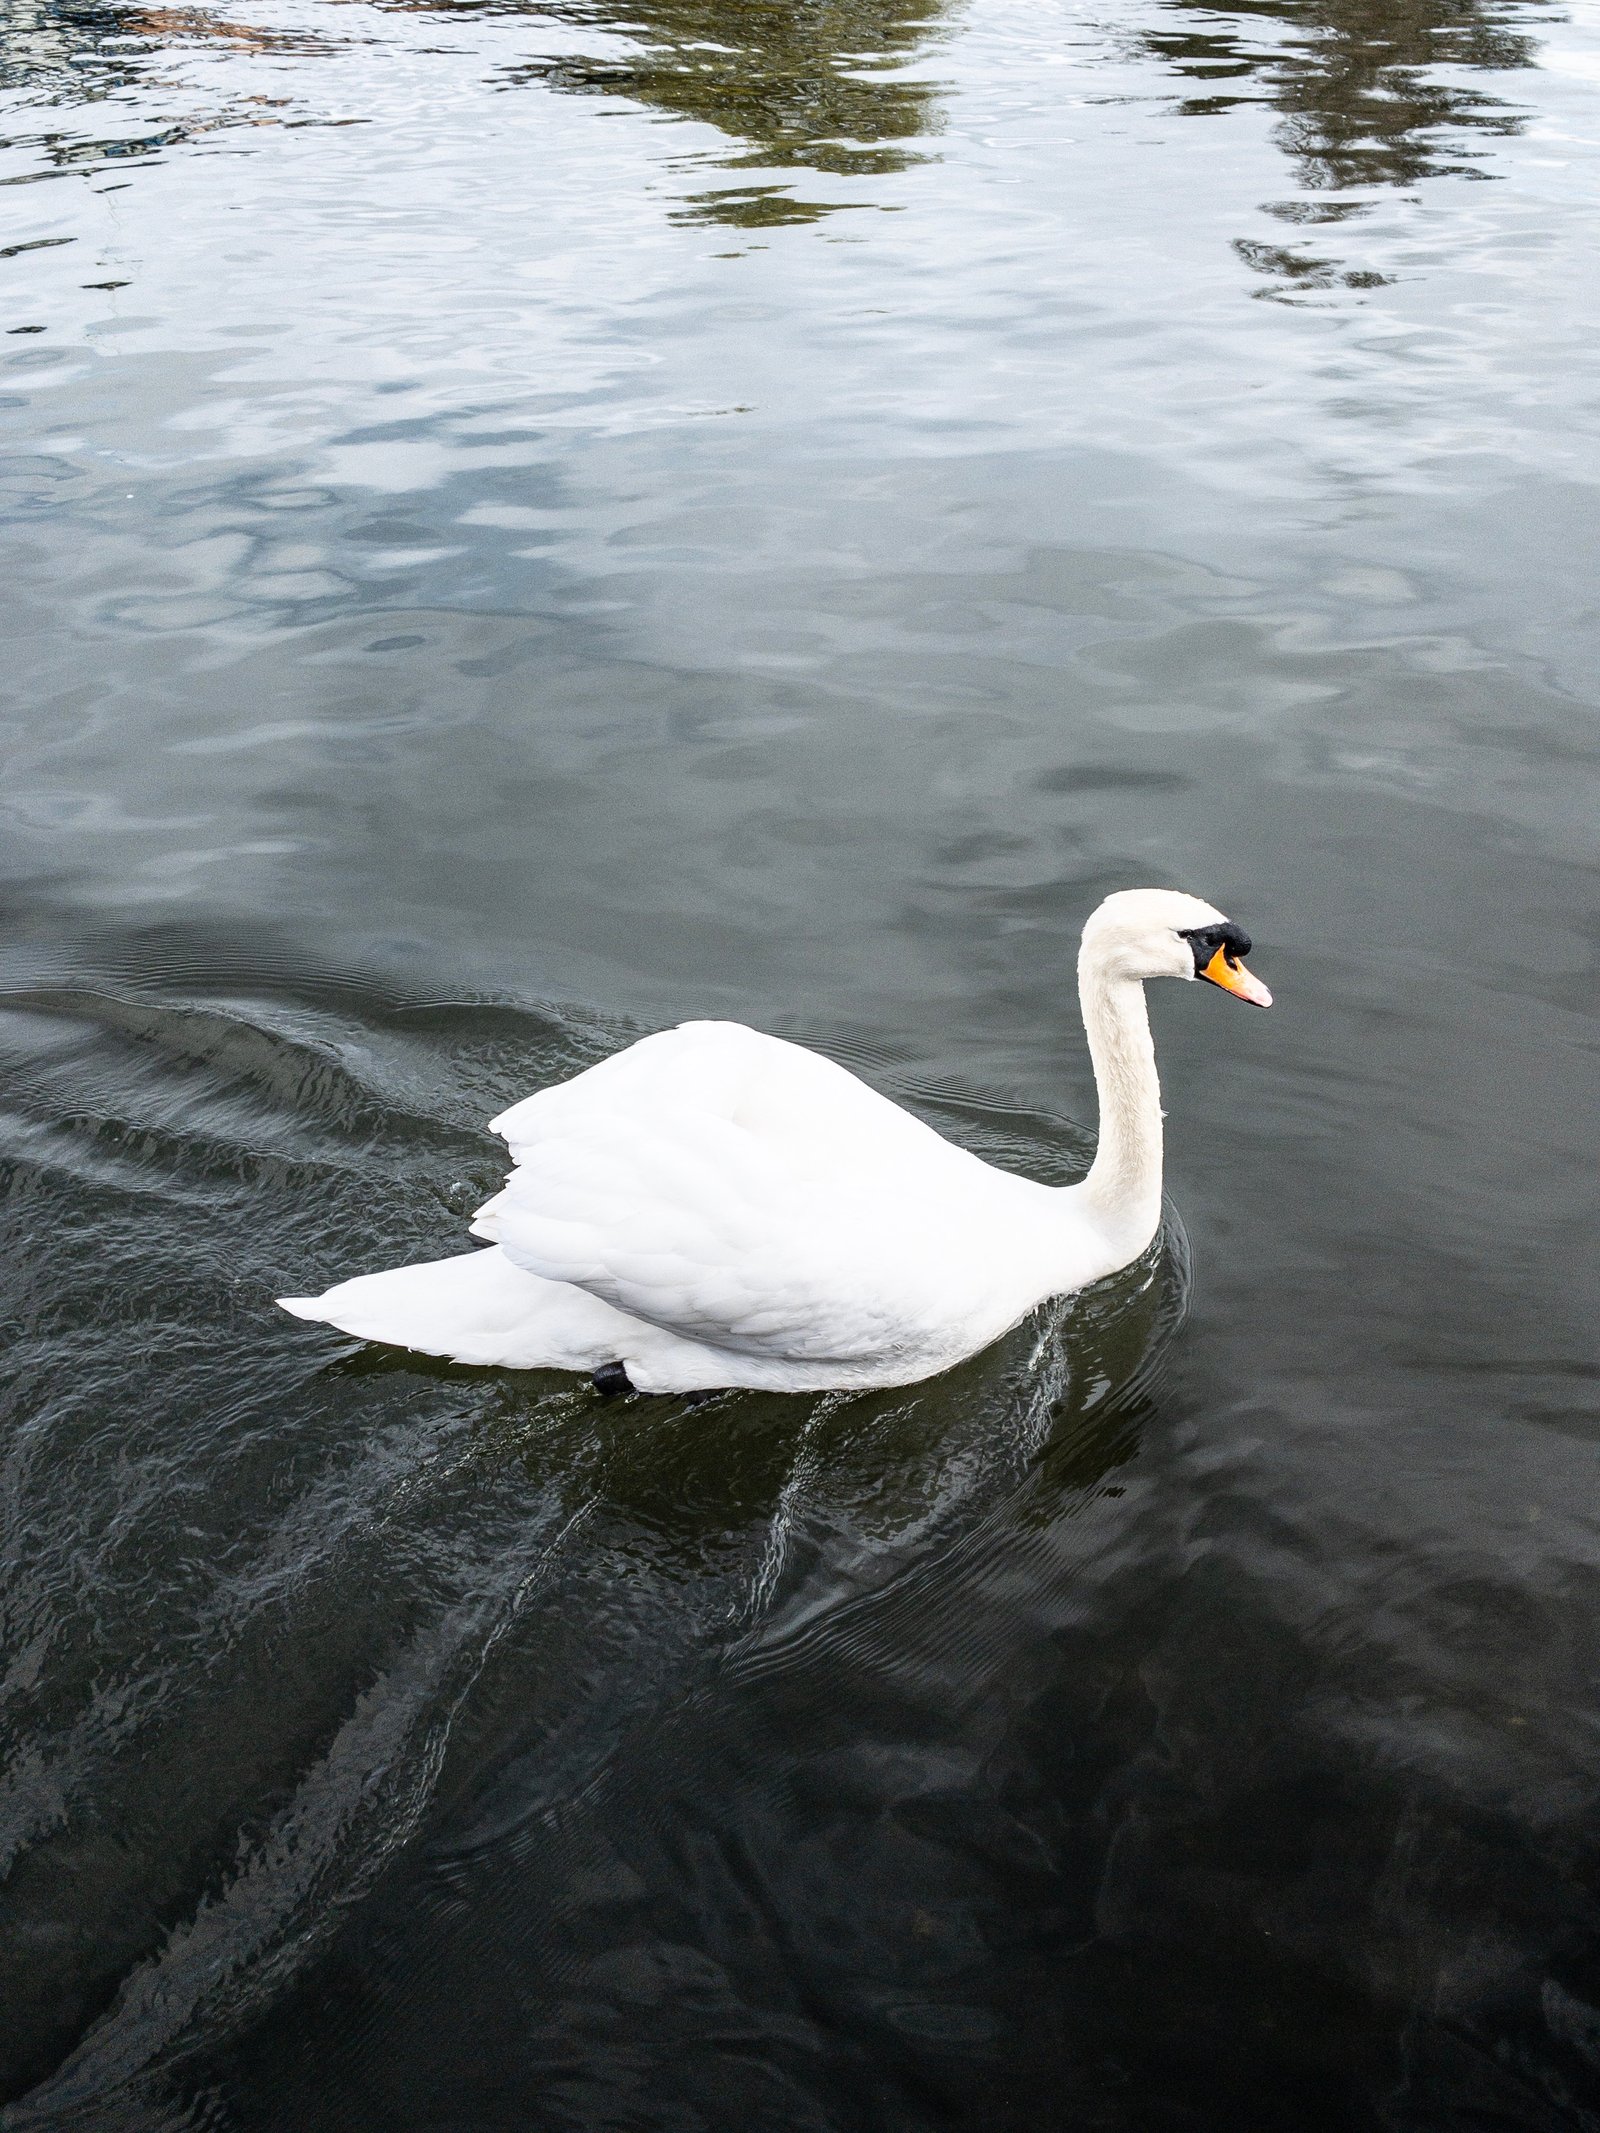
[1234,978]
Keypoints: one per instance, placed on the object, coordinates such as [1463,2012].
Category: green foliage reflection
[1368,91]
[818,86]
[1360,83]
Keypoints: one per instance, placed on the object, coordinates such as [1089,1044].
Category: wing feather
[740,1191]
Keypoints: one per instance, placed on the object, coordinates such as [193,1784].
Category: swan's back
[737,1189]
[819,1115]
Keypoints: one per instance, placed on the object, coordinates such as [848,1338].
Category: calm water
[527,523]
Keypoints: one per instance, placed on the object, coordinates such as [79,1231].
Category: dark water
[526,524]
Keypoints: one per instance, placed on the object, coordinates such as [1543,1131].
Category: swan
[714,1207]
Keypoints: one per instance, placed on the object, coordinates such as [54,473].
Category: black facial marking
[1206,940]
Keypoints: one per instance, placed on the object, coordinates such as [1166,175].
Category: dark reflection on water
[1368,94]
[813,87]
[84,53]
[55,54]
[818,88]
[1365,91]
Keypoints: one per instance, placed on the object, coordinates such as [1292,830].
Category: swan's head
[1161,933]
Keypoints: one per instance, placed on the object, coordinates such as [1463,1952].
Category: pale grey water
[525,526]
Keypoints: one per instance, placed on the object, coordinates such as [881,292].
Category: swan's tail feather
[302,1306]
[474,1308]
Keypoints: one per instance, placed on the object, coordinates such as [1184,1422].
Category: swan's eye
[1206,942]
[1219,953]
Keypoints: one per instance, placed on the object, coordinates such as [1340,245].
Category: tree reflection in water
[73,54]
[819,87]
[815,87]
[1367,92]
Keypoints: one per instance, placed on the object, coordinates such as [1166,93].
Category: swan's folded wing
[711,1230]
[816,1113]
[697,1066]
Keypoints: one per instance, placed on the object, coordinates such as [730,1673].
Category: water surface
[526,525]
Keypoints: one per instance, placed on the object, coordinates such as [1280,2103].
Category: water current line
[362,1801]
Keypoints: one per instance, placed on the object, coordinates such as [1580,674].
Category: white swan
[714,1207]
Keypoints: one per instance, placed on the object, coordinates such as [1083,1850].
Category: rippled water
[527,524]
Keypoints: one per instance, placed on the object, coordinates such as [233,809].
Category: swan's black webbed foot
[611,1381]
[703,1399]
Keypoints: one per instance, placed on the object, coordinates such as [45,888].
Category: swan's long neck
[1123,1189]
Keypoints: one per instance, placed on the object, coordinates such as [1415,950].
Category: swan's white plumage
[717,1207]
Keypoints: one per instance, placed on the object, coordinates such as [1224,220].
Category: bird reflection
[784,1494]
[1368,93]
